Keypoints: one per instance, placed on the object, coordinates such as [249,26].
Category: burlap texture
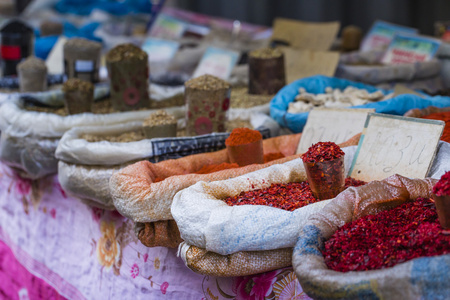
[160,233]
[403,281]
[237,264]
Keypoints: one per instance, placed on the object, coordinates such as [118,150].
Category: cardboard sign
[406,49]
[396,145]
[55,59]
[218,62]
[305,35]
[332,125]
[166,27]
[305,63]
[160,50]
[381,34]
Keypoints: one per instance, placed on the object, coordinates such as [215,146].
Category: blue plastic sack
[316,84]
[120,8]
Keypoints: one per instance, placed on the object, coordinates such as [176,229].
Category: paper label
[167,27]
[55,59]
[405,49]
[160,50]
[396,145]
[381,34]
[218,62]
[84,66]
[305,35]
[332,125]
[304,63]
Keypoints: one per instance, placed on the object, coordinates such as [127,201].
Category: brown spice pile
[240,98]
[160,117]
[266,53]
[126,52]
[131,136]
[207,82]
[75,84]
[32,64]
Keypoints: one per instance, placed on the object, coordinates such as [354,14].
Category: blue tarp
[114,7]
[316,84]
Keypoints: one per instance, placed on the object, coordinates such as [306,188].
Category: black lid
[16,32]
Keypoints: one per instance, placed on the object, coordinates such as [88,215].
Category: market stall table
[68,249]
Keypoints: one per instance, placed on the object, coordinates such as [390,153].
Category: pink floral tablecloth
[78,252]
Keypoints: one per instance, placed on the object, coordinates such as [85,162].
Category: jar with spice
[78,96]
[324,166]
[160,124]
[245,147]
[32,75]
[82,59]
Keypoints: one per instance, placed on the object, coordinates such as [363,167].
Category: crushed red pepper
[442,187]
[388,238]
[322,151]
[272,156]
[287,196]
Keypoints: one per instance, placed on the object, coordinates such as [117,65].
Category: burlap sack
[420,278]
[237,264]
[206,221]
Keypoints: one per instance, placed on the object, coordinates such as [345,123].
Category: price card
[396,145]
[332,125]
[160,50]
[381,34]
[218,62]
[55,58]
[304,63]
[166,27]
[305,35]
[405,49]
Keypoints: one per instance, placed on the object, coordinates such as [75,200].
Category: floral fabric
[89,253]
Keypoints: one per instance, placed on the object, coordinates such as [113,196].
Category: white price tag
[217,62]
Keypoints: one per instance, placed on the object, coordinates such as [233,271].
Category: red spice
[241,136]
[206,169]
[442,187]
[443,116]
[272,156]
[322,151]
[287,196]
[388,238]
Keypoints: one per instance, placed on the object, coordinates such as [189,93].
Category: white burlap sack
[29,138]
[84,168]
[205,221]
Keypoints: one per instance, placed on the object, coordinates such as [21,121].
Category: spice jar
[351,38]
[441,197]
[78,96]
[82,59]
[245,147]
[160,124]
[325,170]
[16,45]
[51,28]
[266,71]
[207,101]
[128,72]
[32,75]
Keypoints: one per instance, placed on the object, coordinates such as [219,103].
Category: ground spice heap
[242,136]
[160,117]
[287,196]
[322,151]
[388,238]
[442,187]
[207,82]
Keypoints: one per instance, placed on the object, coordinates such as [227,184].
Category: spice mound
[207,82]
[443,116]
[265,53]
[160,117]
[242,136]
[32,64]
[287,196]
[442,187]
[75,84]
[322,151]
[126,52]
[379,241]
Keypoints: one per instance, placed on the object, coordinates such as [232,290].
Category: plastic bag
[398,105]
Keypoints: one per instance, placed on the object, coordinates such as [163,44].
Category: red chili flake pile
[287,196]
[388,238]
[322,151]
[442,187]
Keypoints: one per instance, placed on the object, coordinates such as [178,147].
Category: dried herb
[388,238]
[287,196]
[442,187]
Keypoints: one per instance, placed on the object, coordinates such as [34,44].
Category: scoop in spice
[441,197]
[245,147]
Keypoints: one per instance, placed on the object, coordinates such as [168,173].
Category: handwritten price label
[218,62]
[332,125]
[405,49]
[396,145]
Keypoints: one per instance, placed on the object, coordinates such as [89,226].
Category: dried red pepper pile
[442,187]
[287,196]
[388,238]
[322,151]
